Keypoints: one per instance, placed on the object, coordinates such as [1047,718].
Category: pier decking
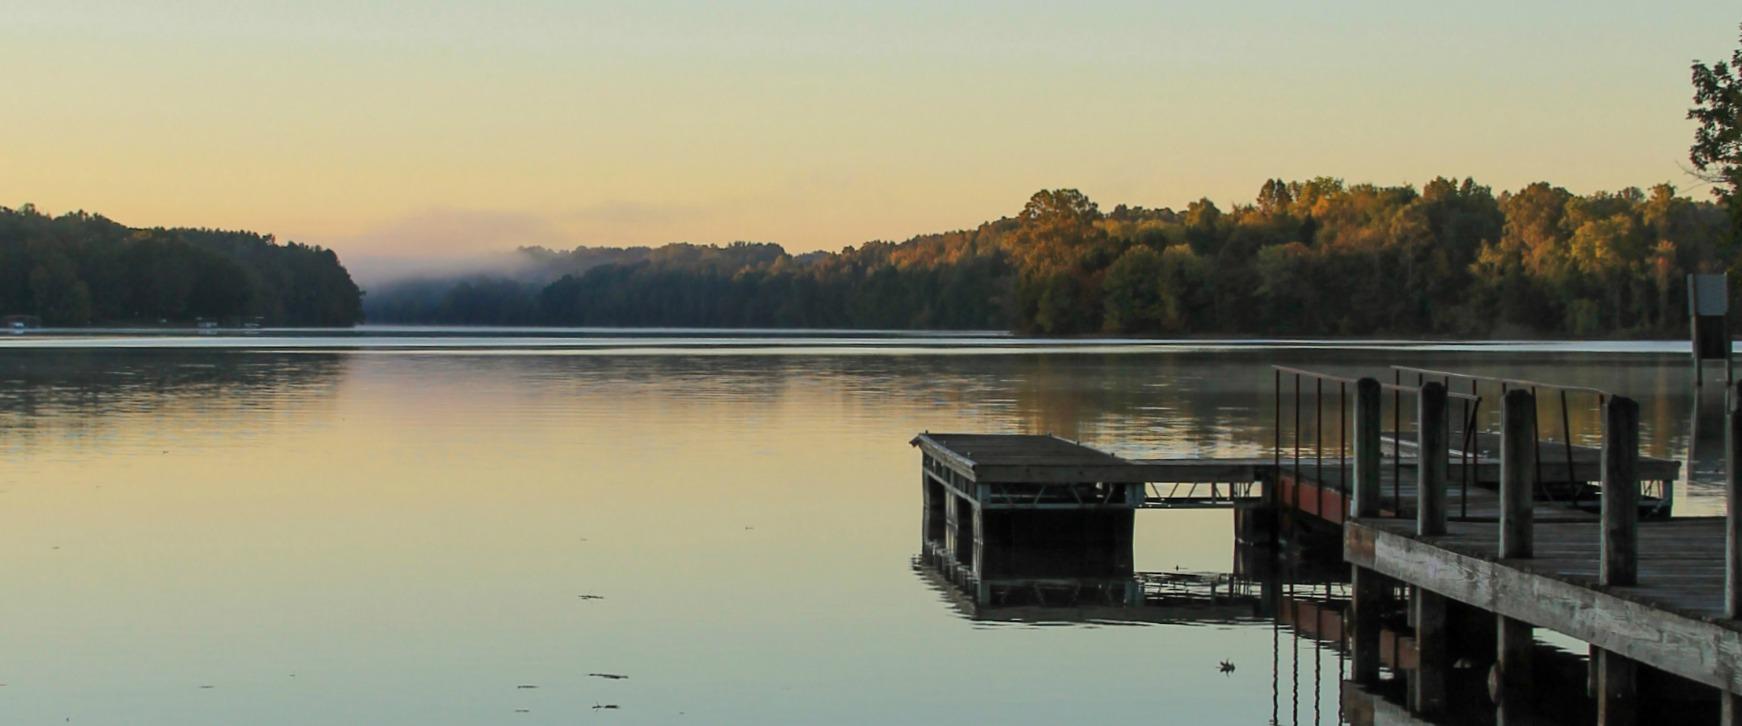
[1673,619]
[1044,472]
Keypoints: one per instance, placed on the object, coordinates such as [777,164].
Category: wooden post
[1366,494]
[1431,443]
[1620,548]
[1517,474]
[1512,669]
[1617,700]
[1427,690]
[1732,702]
[1733,506]
[1366,592]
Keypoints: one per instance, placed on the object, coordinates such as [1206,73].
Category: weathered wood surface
[1620,491]
[1733,506]
[1034,459]
[1672,620]
[1024,459]
[1517,473]
[1364,486]
[1431,449]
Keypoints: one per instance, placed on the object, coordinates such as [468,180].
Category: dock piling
[1427,690]
[1512,670]
[1617,698]
[1367,402]
[1431,445]
[1620,549]
[1517,473]
[1731,700]
[1733,506]
[1517,493]
[1366,590]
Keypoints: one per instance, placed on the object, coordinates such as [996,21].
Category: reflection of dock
[1141,597]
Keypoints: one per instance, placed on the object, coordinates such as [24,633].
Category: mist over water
[409,526]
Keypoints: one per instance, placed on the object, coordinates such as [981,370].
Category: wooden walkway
[1020,471]
[1671,620]
[1042,472]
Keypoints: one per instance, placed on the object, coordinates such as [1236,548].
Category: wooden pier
[1484,540]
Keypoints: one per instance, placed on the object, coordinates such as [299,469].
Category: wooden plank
[1622,620]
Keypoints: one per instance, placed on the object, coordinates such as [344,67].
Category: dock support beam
[1617,696]
[1366,496]
[1427,690]
[1431,442]
[1732,702]
[1620,548]
[1366,592]
[1517,473]
[1512,677]
[1617,699]
[1517,495]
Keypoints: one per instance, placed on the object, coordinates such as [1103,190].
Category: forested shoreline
[1314,257]
[81,269]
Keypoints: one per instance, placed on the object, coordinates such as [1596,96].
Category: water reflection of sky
[410,535]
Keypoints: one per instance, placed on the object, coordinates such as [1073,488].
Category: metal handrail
[1536,434]
[1520,382]
[1472,405]
[1383,386]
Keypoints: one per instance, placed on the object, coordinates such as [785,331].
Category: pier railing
[1293,386]
[1571,492]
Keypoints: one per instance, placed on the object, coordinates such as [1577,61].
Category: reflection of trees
[85,394]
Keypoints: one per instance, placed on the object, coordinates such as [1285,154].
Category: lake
[416,526]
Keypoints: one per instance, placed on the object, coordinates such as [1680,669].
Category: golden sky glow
[401,128]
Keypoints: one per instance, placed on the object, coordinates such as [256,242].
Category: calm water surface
[418,527]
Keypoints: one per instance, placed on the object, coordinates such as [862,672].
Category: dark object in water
[524,685]
[1226,666]
[591,597]
[598,706]
[612,676]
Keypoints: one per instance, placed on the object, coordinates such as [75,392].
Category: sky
[398,130]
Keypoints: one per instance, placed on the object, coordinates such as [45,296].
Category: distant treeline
[78,269]
[1315,257]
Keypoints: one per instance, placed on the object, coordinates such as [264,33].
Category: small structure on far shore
[1709,322]
[20,323]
